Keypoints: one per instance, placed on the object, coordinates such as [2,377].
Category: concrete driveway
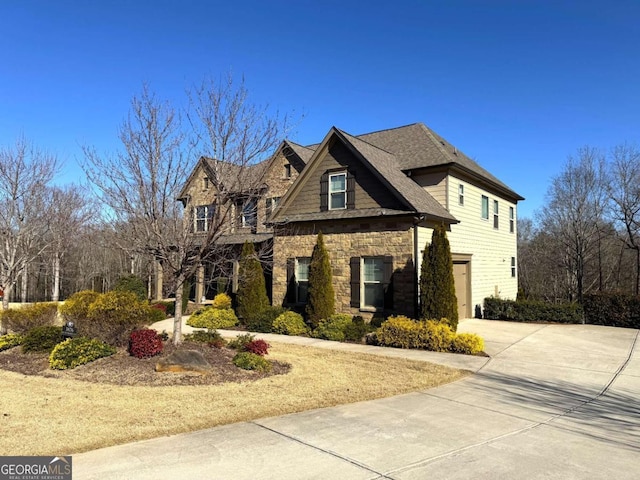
[553,401]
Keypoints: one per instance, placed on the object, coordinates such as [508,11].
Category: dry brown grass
[56,416]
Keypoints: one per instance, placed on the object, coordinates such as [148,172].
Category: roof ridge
[387,129]
[368,143]
[432,136]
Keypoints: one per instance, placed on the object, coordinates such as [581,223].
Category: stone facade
[344,240]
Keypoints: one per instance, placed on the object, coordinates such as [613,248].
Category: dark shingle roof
[305,153]
[386,165]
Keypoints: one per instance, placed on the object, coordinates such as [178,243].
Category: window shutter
[351,190]
[192,217]
[291,281]
[324,192]
[355,281]
[388,284]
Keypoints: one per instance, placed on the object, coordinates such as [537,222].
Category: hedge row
[531,311]
[613,309]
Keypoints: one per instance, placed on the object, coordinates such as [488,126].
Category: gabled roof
[305,153]
[384,166]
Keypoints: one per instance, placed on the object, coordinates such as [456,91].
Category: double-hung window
[512,220]
[513,267]
[302,279]
[461,195]
[372,282]
[203,214]
[496,223]
[271,204]
[337,191]
[485,207]
[250,213]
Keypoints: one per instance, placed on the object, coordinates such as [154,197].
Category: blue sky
[516,85]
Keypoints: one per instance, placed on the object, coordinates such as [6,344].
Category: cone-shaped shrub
[321,303]
[252,291]
[437,286]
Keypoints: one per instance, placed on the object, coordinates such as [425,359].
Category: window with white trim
[302,279]
[202,216]
[512,220]
[485,207]
[461,195]
[372,282]
[496,220]
[271,204]
[337,191]
[513,267]
[250,213]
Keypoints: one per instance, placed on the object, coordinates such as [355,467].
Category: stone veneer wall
[345,240]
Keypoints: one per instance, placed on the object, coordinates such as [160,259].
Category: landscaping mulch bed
[123,369]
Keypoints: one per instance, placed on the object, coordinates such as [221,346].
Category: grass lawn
[60,416]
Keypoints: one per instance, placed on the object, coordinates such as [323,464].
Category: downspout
[416,263]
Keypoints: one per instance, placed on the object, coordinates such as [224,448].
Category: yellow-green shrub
[9,341]
[42,339]
[78,351]
[439,335]
[251,361]
[221,301]
[21,320]
[467,343]
[213,318]
[113,316]
[76,307]
[290,323]
[400,331]
[333,328]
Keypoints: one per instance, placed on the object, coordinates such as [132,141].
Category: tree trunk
[637,289]
[177,319]
[55,294]
[25,284]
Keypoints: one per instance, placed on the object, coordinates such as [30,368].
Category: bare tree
[140,186]
[69,213]
[624,192]
[575,210]
[25,173]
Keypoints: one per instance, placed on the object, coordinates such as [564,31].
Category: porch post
[158,274]
[199,283]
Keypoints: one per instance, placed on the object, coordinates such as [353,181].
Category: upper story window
[202,217]
[287,170]
[271,204]
[461,194]
[337,191]
[512,220]
[485,207]
[513,267]
[496,223]
[250,213]
[205,183]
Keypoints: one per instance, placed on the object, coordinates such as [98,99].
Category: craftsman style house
[376,198]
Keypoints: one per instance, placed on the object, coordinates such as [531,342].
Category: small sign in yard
[69,330]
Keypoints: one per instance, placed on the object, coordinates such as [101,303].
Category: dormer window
[337,191]
[287,170]
[205,183]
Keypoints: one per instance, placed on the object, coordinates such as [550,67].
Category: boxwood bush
[263,321]
[23,319]
[290,323]
[333,328]
[613,309]
[531,311]
[210,337]
[78,351]
[251,361]
[213,318]
[42,339]
[113,316]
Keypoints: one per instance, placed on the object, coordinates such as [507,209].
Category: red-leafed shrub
[160,306]
[145,343]
[259,347]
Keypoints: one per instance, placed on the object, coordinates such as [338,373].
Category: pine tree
[252,291]
[321,303]
[437,286]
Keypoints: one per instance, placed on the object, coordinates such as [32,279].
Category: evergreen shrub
[210,337]
[10,340]
[333,328]
[321,301]
[251,361]
[531,311]
[467,343]
[132,283]
[240,341]
[76,308]
[290,323]
[42,339]
[263,321]
[113,316]
[252,290]
[357,329]
[613,309]
[145,343]
[213,318]
[221,301]
[78,351]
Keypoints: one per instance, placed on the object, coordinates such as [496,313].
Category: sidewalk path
[553,401]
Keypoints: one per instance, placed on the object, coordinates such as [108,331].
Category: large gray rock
[183,361]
